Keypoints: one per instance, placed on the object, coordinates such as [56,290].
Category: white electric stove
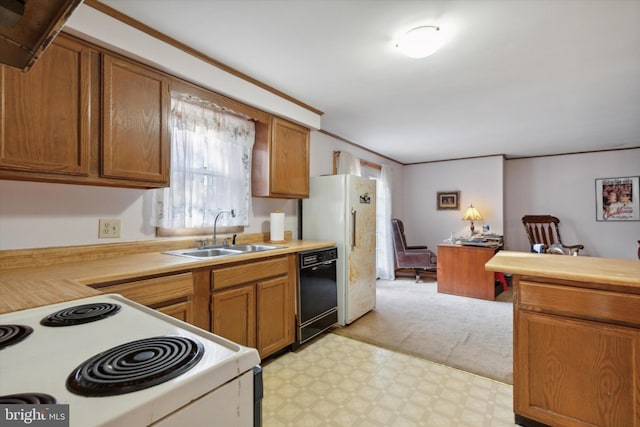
[167,372]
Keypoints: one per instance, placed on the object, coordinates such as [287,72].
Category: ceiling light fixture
[421,41]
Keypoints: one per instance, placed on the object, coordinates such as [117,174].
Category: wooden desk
[461,271]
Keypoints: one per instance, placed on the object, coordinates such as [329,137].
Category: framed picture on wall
[448,200]
[617,199]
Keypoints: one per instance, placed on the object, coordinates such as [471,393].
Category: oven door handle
[317,267]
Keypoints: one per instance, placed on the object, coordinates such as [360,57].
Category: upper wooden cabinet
[54,127]
[27,29]
[281,160]
[45,113]
[135,112]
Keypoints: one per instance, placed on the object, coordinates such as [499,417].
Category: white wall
[322,148]
[35,215]
[564,186]
[38,215]
[479,181]
[91,24]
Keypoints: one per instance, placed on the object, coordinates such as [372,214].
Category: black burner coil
[27,399]
[135,365]
[80,314]
[13,334]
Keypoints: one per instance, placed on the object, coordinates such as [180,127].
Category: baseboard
[527,422]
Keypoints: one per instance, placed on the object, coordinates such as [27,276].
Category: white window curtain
[348,164]
[210,167]
[384,251]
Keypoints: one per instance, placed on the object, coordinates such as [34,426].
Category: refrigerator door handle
[354,215]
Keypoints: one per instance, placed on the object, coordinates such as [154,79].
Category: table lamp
[472,214]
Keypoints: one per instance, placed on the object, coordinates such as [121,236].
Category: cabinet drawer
[156,291]
[236,275]
[592,304]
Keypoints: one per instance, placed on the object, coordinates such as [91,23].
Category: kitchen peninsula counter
[47,276]
[576,333]
[581,269]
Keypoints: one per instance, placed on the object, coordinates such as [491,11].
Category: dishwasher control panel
[318,256]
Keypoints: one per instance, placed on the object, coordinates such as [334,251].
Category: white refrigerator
[342,208]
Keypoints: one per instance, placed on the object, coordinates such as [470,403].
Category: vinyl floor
[337,381]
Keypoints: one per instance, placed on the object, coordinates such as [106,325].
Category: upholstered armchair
[418,258]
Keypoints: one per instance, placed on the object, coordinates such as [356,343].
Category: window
[210,167]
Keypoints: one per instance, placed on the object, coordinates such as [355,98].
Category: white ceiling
[516,77]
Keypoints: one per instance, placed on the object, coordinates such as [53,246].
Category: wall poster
[617,199]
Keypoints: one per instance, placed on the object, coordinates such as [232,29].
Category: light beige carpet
[465,333]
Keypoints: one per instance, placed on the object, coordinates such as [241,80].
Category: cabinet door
[576,372]
[45,113]
[135,139]
[181,311]
[289,159]
[275,316]
[234,315]
[280,165]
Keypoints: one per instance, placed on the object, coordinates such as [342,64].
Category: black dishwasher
[317,295]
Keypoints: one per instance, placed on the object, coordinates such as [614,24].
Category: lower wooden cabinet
[253,303]
[576,355]
[181,311]
[233,314]
[171,295]
[274,315]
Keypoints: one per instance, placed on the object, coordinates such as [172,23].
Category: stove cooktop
[43,361]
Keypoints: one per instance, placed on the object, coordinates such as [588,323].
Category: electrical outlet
[109,228]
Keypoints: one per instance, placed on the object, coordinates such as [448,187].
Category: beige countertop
[34,286]
[608,271]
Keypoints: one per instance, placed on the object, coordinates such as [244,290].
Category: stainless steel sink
[254,248]
[204,253]
[219,251]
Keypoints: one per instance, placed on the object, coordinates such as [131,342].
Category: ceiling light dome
[421,41]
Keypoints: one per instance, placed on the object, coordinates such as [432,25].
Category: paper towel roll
[277,226]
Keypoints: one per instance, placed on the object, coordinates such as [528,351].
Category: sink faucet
[215,222]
